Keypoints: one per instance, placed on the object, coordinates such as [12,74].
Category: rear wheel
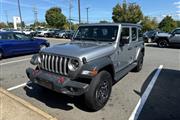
[139,63]
[163,43]
[99,91]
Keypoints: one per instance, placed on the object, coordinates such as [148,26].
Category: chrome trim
[52,63]
[57,64]
[65,63]
[60,65]
[45,62]
[49,63]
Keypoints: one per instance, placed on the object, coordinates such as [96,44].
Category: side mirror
[124,40]
[173,34]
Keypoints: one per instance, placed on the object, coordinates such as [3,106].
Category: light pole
[79,11]
[70,8]
[20,15]
[87,14]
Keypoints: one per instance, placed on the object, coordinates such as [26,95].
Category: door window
[125,34]
[134,34]
[21,37]
[177,31]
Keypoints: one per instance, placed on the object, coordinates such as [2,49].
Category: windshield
[97,33]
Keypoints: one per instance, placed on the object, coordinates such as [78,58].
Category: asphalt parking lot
[128,95]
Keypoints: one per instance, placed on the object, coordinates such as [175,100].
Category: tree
[178,23]
[55,18]
[167,24]
[10,25]
[103,21]
[2,25]
[129,13]
[149,24]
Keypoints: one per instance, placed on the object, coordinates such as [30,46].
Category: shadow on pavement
[163,102]
[55,100]
[156,46]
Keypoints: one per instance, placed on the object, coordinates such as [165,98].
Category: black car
[149,36]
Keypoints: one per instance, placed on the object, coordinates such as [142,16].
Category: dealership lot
[162,103]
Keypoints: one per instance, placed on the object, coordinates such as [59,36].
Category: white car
[43,32]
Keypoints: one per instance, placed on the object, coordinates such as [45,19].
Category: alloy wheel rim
[102,92]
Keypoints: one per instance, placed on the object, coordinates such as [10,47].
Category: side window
[21,37]
[134,34]
[177,31]
[8,36]
[140,35]
[125,34]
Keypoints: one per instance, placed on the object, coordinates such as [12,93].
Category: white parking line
[141,102]
[5,63]
[18,86]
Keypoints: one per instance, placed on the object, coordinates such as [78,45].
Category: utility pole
[70,10]
[20,15]
[7,17]
[79,11]
[87,14]
[35,15]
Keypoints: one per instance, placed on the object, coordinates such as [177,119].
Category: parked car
[12,43]
[69,34]
[168,39]
[28,32]
[149,36]
[43,33]
[62,34]
[52,34]
[97,57]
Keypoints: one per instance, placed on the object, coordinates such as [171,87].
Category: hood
[163,35]
[89,50]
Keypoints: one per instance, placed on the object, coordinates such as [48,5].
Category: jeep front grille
[56,64]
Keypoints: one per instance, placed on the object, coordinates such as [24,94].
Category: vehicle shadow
[156,46]
[21,55]
[163,102]
[55,100]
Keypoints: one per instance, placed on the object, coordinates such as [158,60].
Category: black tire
[139,66]
[163,43]
[99,91]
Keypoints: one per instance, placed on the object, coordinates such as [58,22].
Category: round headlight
[73,65]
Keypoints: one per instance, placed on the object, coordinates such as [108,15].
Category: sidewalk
[14,108]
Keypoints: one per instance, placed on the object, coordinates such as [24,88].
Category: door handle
[130,48]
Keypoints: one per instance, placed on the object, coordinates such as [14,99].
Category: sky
[98,9]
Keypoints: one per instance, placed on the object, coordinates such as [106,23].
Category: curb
[28,105]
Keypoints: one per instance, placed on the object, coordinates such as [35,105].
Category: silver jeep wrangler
[98,56]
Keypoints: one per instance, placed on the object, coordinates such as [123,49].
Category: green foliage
[167,24]
[2,25]
[178,23]
[55,18]
[103,21]
[149,24]
[129,13]
[10,25]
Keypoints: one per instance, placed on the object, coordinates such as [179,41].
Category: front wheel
[99,91]
[163,43]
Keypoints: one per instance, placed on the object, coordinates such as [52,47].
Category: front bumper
[57,82]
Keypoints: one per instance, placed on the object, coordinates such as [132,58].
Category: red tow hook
[60,80]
